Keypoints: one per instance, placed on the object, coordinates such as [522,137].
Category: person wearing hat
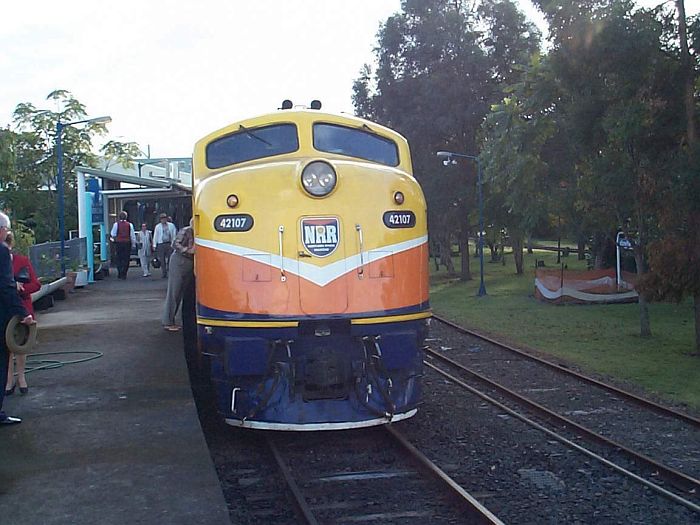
[163,236]
[10,306]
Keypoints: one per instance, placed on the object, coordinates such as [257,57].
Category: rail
[680,479]
[477,512]
[653,486]
[469,508]
[611,388]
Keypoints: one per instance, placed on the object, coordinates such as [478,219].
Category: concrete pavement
[113,440]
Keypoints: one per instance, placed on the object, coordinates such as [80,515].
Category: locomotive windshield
[249,144]
[355,142]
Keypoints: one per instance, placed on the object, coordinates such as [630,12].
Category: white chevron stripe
[320,275]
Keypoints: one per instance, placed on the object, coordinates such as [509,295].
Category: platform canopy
[153,173]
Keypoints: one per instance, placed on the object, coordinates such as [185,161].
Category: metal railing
[46,257]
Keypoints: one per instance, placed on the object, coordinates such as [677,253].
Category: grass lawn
[600,338]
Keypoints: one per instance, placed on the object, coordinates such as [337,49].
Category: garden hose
[49,364]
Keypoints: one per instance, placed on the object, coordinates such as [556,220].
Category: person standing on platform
[124,239]
[181,275]
[10,305]
[27,284]
[144,242]
[163,237]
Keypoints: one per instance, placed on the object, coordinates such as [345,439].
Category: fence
[46,257]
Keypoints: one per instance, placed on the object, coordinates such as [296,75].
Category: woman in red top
[25,291]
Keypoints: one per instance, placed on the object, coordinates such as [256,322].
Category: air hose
[375,371]
[262,403]
[271,368]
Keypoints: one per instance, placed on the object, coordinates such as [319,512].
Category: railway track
[656,407]
[408,489]
[524,473]
[664,434]
[652,468]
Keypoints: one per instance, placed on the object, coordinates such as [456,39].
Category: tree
[121,153]
[516,134]
[434,82]
[675,257]
[617,99]
[7,158]
[29,165]
[32,197]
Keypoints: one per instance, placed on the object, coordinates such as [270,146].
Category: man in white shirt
[124,239]
[163,236]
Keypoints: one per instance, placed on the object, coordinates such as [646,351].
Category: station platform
[115,439]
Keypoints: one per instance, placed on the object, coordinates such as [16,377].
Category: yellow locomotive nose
[311,271]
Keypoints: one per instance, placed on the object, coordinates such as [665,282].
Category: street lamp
[59,158]
[448,159]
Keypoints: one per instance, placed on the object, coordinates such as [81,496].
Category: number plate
[399,219]
[233,223]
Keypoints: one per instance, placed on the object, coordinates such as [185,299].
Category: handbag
[155,263]
[23,275]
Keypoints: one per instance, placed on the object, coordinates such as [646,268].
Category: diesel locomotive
[311,271]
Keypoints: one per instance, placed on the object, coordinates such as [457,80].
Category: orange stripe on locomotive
[234,283]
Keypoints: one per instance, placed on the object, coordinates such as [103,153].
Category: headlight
[318,179]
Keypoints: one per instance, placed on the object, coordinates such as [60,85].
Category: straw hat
[20,338]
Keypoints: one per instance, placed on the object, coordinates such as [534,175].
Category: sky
[169,73]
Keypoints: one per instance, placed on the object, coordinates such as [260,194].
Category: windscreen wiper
[251,134]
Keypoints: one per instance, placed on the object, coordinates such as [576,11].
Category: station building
[145,189]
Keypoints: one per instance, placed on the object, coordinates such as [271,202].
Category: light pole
[448,159]
[59,159]
[563,186]
[559,238]
[621,241]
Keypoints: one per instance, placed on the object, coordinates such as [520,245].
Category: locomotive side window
[354,142]
[250,144]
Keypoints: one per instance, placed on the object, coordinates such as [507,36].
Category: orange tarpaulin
[584,287]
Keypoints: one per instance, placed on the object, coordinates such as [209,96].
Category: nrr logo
[320,236]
